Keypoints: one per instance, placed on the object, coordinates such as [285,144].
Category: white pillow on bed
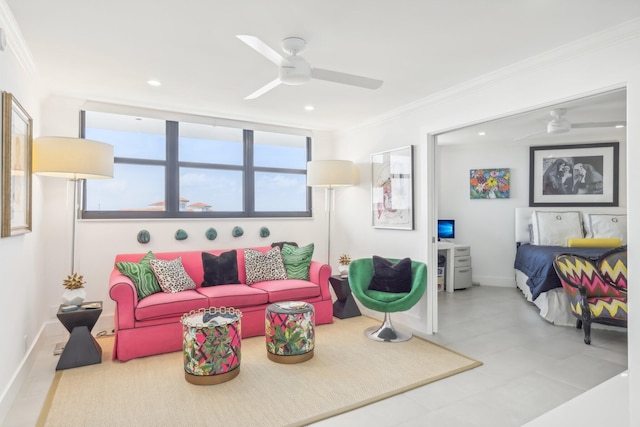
[606,226]
[555,228]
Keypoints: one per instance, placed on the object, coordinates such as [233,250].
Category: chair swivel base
[387,332]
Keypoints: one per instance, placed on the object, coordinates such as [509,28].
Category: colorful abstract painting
[489,183]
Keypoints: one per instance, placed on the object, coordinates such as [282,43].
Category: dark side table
[82,348]
[345,306]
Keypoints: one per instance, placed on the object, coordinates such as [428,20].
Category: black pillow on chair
[220,270]
[390,277]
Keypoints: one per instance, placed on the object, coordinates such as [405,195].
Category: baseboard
[50,328]
[21,375]
[498,281]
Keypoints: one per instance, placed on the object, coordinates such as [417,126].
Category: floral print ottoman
[289,331]
[211,344]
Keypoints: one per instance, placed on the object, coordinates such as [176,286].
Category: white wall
[487,225]
[21,308]
[597,64]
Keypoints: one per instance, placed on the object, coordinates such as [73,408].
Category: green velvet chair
[360,274]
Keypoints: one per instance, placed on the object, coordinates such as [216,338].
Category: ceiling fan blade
[260,47]
[264,89]
[529,135]
[598,124]
[347,79]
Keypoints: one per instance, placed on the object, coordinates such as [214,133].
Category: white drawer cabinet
[462,267]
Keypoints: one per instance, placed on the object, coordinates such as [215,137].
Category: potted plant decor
[75,292]
[343,265]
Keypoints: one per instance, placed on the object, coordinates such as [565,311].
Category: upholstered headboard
[523,217]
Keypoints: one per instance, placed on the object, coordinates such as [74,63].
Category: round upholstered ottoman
[211,344]
[289,331]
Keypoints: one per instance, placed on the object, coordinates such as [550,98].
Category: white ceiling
[107,50]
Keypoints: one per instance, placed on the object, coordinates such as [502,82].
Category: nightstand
[82,348]
[345,306]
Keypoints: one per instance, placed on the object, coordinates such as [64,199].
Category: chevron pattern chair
[596,289]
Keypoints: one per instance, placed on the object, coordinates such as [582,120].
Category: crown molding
[583,46]
[16,42]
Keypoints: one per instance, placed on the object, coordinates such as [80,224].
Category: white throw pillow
[555,228]
[606,226]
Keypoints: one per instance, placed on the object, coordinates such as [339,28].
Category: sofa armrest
[123,292]
[319,274]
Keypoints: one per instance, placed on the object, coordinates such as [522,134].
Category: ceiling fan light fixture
[558,126]
[295,71]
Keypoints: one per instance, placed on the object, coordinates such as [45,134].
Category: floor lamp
[75,159]
[329,174]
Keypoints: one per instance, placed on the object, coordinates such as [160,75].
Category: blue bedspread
[537,263]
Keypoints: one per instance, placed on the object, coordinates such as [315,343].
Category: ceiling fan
[294,70]
[559,124]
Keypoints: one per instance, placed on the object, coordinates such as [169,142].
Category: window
[170,169]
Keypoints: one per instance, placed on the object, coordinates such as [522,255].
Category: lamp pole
[74,213]
[329,194]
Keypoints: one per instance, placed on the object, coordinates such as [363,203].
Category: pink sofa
[152,325]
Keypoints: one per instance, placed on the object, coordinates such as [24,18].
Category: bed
[539,239]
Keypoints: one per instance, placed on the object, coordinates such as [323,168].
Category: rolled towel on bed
[613,242]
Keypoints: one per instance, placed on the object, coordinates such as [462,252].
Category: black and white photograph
[574,175]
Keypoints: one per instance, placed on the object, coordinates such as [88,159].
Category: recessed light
[482,133]
[309,107]
[154,83]
[619,126]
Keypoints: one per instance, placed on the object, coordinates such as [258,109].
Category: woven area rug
[347,371]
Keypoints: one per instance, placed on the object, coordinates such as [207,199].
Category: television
[446,229]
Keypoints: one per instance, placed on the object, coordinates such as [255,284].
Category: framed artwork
[489,183]
[17,128]
[574,175]
[392,188]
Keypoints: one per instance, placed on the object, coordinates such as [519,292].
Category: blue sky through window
[137,187]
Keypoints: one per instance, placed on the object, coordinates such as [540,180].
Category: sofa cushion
[171,275]
[297,260]
[391,277]
[220,269]
[234,296]
[142,275]
[264,266]
[288,290]
[161,305]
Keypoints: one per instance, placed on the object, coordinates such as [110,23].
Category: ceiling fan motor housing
[295,71]
[558,126]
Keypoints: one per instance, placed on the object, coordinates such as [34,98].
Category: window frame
[172,165]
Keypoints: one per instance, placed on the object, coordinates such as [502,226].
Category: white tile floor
[530,367]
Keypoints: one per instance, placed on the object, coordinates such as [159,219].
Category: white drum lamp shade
[72,158]
[330,173]
[75,159]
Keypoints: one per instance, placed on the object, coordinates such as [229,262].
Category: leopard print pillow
[260,267]
[171,275]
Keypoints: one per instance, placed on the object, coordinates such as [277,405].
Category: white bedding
[553,304]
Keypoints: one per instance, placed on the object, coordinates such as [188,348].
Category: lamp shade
[330,173]
[72,158]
